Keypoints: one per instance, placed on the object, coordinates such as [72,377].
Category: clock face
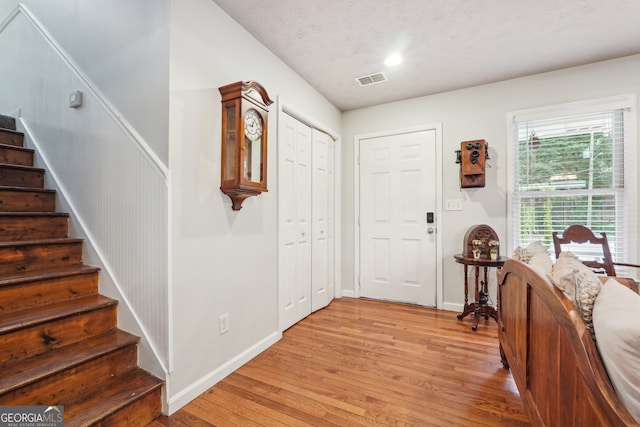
[253,125]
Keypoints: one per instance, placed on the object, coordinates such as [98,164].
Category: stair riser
[27,201]
[18,177]
[7,122]
[16,156]
[71,383]
[30,341]
[11,138]
[42,292]
[26,258]
[128,393]
[33,228]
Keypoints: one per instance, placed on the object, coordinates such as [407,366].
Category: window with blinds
[570,169]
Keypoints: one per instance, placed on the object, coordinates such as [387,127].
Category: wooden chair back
[581,234]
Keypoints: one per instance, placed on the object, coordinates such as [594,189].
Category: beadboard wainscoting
[113,185]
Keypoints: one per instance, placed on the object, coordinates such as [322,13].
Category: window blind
[571,170]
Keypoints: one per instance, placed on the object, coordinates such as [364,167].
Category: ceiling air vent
[371,79]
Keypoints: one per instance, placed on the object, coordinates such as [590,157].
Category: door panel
[320,208]
[331,208]
[397,189]
[294,221]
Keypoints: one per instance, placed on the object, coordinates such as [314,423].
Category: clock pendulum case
[244,140]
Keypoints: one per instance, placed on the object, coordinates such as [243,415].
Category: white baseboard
[186,395]
[348,293]
[449,306]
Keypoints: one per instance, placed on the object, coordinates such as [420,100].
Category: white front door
[397,244]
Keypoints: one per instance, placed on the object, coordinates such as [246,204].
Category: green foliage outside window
[549,166]
[566,156]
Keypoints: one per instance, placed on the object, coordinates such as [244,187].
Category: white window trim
[626,102]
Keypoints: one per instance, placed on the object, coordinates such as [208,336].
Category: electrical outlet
[223,323]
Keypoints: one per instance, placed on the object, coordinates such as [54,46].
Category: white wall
[223,261]
[123,46]
[475,113]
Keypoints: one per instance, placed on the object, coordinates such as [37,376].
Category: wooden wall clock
[244,140]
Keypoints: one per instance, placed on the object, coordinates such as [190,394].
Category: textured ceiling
[447,44]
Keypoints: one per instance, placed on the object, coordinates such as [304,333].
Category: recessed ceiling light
[393,59]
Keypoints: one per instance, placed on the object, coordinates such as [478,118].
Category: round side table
[480,306]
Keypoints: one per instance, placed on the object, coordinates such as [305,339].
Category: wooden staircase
[59,342]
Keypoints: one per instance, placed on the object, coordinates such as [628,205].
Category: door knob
[431,230]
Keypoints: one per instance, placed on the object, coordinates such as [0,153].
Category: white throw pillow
[525,254]
[563,272]
[616,320]
[542,264]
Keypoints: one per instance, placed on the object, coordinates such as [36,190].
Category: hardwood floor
[361,362]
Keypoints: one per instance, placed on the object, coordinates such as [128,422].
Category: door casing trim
[437,127]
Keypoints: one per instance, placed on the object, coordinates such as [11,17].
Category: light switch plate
[453,205]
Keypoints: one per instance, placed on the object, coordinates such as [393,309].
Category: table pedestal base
[478,311]
[480,307]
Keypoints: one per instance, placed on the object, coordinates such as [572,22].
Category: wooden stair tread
[32,214]
[19,278]
[16,147]
[117,394]
[21,167]
[26,189]
[53,241]
[33,369]
[16,320]
[7,130]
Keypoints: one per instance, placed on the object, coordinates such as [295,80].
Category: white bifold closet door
[319,220]
[331,221]
[306,220]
